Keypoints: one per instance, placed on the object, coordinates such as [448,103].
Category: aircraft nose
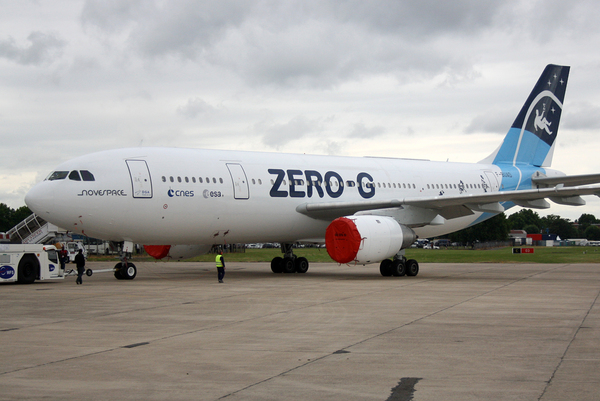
[40,199]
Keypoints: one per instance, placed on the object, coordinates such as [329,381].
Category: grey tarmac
[454,332]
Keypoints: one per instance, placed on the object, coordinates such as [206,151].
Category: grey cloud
[195,107]
[494,122]
[115,15]
[360,130]
[321,44]
[581,116]
[279,135]
[42,48]
[294,43]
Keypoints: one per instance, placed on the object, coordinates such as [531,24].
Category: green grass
[501,255]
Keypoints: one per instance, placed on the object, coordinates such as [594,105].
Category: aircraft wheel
[385,267]
[398,268]
[89,272]
[276,264]
[28,268]
[301,265]
[129,272]
[118,275]
[412,268]
[288,265]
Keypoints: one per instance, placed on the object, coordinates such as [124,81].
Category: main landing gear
[290,263]
[399,267]
[125,270]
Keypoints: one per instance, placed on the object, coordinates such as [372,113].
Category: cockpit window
[58,175]
[87,176]
[74,175]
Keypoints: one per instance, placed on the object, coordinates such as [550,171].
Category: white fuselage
[186,196]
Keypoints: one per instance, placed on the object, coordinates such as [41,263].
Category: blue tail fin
[530,140]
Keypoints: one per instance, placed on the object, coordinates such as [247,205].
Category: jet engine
[366,239]
[176,251]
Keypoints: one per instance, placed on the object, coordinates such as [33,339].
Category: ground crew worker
[220,266]
[80,261]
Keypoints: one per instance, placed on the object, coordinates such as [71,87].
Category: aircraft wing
[451,207]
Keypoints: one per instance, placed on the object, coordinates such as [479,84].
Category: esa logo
[6,272]
[179,193]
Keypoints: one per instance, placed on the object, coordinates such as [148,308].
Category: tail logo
[540,121]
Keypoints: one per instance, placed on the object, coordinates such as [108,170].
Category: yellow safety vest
[219,261]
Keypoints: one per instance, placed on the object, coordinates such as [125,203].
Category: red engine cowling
[176,251]
[366,239]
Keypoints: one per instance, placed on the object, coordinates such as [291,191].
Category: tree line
[498,227]
[10,217]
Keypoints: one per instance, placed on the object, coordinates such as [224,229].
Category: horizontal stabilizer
[566,180]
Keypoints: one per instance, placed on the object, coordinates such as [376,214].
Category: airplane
[182,202]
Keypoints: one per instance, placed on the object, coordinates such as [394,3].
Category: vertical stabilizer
[531,137]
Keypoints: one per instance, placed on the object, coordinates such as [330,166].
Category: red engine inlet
[157,251]
[342,240]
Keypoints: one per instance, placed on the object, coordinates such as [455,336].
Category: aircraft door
[140,178]
[241,189]
[492,181]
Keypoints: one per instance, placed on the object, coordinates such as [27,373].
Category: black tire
[301,265]
[129,272]
[412,268]
[29,266]
[398,268]
[118,275]
[89,272]
[277,264]
[288,265]
[385,267]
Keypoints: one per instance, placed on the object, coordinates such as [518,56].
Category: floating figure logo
[540,122]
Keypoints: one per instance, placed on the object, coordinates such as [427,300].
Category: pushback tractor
[26,263]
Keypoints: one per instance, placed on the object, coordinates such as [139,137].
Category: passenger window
[221,180]
[178,179]
[74,175]
[259,181]
[171,179]
[164,179]
[87,176]
[214,180]
[253,182]
[58,175]
[187,179]
[194,180]
[200,180]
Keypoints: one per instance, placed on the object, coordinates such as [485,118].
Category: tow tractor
[25,263]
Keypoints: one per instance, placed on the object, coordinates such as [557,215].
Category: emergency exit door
[141,183]
[240,181]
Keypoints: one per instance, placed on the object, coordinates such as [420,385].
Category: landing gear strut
[290,263]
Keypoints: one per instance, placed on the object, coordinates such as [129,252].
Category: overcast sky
[423,79]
